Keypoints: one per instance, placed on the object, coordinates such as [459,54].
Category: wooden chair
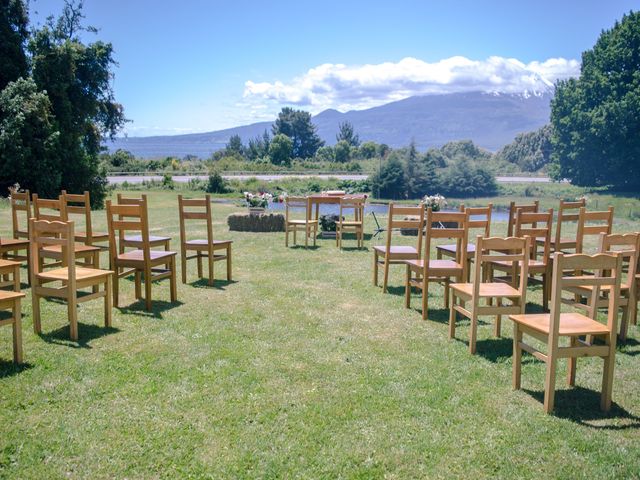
[592,224]
[8,269]
[12,301]
[143,261]
[72,278]
[54,210]
[412,218]
[626,246]
[513,212]
[76,204]
[483,223]
[203,248]
[10,249]
[20,202]
[421,272]
[356,204]
[549,327]
[535,226]
[567,212]
[135,241]
[488,251]
[308,225]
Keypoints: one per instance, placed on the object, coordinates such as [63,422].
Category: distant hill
[490,120]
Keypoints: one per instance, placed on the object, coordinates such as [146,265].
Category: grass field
[299,368]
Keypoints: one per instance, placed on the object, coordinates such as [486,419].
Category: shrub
[167,182]
[328,222]
[216,183]
[273,222]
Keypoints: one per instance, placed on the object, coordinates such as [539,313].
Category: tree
[280,150]
[467,179]
[346,133]
[216,183]
[530,151]
[421,174]
[14,21]
[596,117]
[325,154]
[342,151]
[466,149]
[29,142]
[77,79]
[258,147]
[235,146]
[367,150]
[296,124]
[389,181]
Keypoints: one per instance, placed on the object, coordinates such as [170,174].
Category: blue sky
[195,66]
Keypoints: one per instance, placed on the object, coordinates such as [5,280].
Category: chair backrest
[626,245]
[297,203]
[353,203]
[44,233]
[513,211]
[195,209]
[79,204]
[480,217]
[535,226]
[498,249]
[20,202]
[127,218]
[122,200]
[607,268]
[51,209]
[592,223]
[446,226]
[405,217]
[567,212]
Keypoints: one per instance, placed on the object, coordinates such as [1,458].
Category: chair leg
[172,280]
[498,325]
[545,292]
[147,288]
[211,267]
[35,307]
[138,284]
[199,259]
[315,233]
[550,384]
[624,322]
[116,288]
[107,301]
[425,298]
[286,236]
[572,363]
[474,327]
[375,268]
[517,357]
[17,331]
[306,236]
[452,316]
[72,308]
[386,276]
[295,233]
[407,289]
[229,263]
[607,378]
[183,258]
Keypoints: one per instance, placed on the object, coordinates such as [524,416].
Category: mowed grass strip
[299,368]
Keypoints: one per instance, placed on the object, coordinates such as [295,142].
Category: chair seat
[201,242]
[487,290]
[8,298]
[78,248]
[100,236]
[82,273]
[397,250]
[152,239]
[571,324]
[453,248]
[537,264]
[8,263]
[302,222]
[436,266]
[14,243]
[565,242]
[587,289]
[138,255]
[350,223]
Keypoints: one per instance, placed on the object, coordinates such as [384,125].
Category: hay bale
[243,222]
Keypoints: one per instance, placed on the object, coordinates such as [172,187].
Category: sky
[198,65]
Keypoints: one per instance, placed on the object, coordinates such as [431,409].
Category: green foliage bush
[216,183]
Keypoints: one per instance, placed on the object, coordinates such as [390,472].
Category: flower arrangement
[437,202]
[280,198]
[258,200]
[15,188]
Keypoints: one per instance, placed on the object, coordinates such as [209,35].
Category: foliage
[325,154]
[420,172]
[235,146]
[342,151]
[216,183]
[29,142]
[529,151]
[273,222]
[297,125]
[280,149]
[467,179]
[328,222]
[390,181]
[14,21]
[258,200]
[596,118]
[167,182]
[258,147]
[346,133]
[464,149]
[367,150]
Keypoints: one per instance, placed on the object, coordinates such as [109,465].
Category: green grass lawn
[300,367]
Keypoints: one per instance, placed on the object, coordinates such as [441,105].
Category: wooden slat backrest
[607,268]
[79,204]
[492,249]
[567,212]
[534,226]
[292,202]
[49,209]
[626,245]
[127,218]
[44,233]
[353,203]
[412,217]
[484,222]
[592,223]
[202,212]
[20,202]
[513,210]
[449,226]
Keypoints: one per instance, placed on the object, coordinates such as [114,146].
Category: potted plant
[257,203]
[437,202]
[328,225]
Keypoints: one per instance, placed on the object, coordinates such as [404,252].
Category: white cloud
[363,86]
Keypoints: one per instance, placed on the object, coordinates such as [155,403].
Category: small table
[329,198]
